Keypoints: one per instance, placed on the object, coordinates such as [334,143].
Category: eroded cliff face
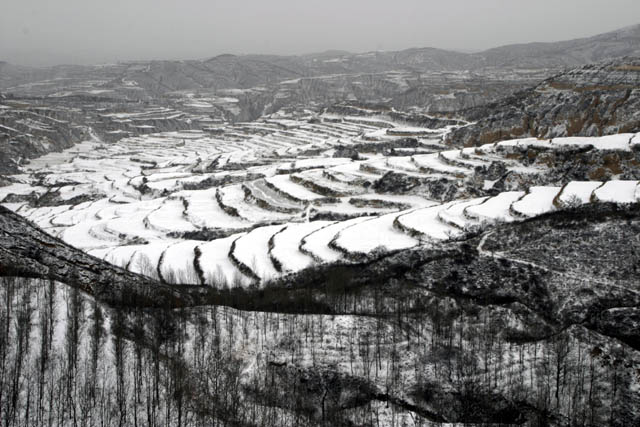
[592,100]
[31,126]
[29,130]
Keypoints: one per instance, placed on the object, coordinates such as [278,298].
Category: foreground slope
[489,330]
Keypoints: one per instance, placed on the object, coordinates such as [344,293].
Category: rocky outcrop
[435,188]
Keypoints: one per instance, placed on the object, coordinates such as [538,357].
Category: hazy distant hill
[622,42]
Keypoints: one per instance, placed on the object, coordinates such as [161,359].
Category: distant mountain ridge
[245,71]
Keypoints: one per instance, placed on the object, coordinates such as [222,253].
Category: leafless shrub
[572,202]
[145,267]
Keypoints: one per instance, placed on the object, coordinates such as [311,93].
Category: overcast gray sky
[45,32]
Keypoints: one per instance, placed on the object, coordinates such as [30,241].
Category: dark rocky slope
[29,130]
[559,282]
[592,100]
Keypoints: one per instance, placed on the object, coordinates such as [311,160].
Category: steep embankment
[27,251]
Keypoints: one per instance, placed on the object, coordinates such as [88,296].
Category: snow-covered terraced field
[426,224]
[234,201]
[433,163]
[285,246]
[176,264]
[204,211]
[617,191]
[249,202]
[578,192]
[495,208]
[317,243]
[269,198]
[455,214]
[216,266]
[169,217]
[291,190]
[375,234]
[537,201]
[251,252]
